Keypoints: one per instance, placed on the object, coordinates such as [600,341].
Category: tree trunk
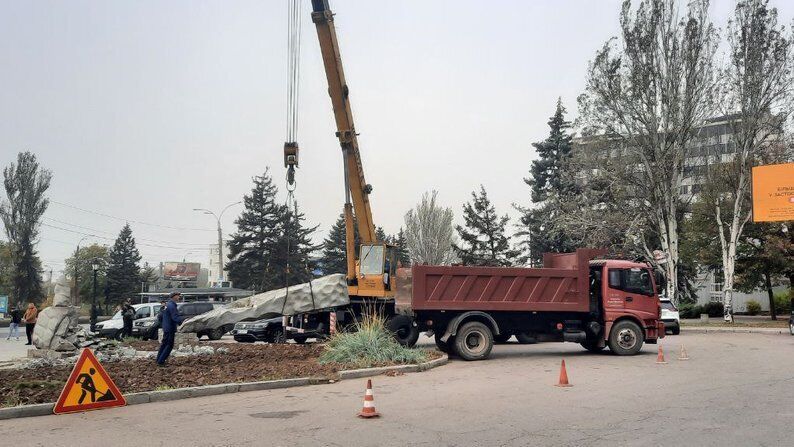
[768,282]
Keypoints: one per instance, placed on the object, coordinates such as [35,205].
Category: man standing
[13,329]
[128,314]
[171,321]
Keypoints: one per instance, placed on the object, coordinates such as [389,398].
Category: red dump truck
[573,298]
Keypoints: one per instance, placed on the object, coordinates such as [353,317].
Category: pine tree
[300,257]
[484,239]
[549,182]
[381,236]
[122,271]
[259,231]
[402,249]
[334,256]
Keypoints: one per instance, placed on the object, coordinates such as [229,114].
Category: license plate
[242,331]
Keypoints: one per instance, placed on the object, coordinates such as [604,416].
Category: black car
[148,328]
[268,330]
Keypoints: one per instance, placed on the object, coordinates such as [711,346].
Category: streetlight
[220,236]
[94,310]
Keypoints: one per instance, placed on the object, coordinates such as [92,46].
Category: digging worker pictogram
[86,383]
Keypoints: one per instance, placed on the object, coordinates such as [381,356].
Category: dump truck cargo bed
[561,285]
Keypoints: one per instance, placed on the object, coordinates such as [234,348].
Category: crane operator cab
[376,268]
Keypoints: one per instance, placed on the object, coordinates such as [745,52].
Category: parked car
[268,330]
[670,317]
[112,328]
[147,328]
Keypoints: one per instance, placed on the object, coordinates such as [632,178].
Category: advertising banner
[773,192]
[181,271]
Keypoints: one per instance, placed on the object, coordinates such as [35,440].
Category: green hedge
[753,307]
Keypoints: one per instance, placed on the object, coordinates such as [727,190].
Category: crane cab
[375,270]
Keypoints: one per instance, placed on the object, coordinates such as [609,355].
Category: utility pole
[75,292]
[220,236]
[94,309]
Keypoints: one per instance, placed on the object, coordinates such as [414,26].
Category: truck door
[632,290]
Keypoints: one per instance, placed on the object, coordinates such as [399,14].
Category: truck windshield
[371,259]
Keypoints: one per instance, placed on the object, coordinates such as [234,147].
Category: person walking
[171,321]
[13,328]
[128,314]
[31,315]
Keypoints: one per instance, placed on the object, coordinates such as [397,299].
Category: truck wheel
[216,334]
[473,341]
[592,346]
[525,339]
[405,331]
[625,338]
[444,346]
[502,338]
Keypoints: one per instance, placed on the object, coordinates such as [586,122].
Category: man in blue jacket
[171,321]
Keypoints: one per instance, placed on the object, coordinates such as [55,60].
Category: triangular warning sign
[89,387]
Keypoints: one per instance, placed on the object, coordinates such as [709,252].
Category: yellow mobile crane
[371,275]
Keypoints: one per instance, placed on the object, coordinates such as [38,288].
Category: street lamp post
[76,292]
[220,236]
[94,310]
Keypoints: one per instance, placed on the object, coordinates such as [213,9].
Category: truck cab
[375,271]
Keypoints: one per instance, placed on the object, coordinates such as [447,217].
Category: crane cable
[294,12]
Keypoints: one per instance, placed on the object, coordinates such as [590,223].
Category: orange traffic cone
[563,376]
[660,357]
[683,355]
[369,404]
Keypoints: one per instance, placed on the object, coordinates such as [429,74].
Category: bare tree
[429,232]
[649,93]
[755,95]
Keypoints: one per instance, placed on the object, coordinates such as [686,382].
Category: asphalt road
[735,390]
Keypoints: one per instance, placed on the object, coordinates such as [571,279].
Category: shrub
[690,311]
[782,303]
[371,344]
[714,309]
[753,307]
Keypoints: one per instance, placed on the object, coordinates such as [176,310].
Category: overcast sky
[145,110]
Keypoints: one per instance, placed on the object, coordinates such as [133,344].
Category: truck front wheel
[473,341]
[405,331]
[625,338]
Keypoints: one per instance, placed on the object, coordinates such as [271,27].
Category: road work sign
[773,192]
[89,387]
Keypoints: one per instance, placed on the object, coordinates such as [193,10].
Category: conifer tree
[334,256]
[484,242]
[122,271]
[402,249]
[258,233]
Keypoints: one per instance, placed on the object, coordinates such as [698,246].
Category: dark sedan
[268,330]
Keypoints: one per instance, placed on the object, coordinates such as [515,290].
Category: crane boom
[356,188]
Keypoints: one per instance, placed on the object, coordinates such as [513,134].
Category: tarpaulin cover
[321,293]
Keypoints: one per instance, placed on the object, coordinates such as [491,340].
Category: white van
[112,328]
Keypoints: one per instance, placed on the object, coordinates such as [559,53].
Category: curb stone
[228,388]
[749,330]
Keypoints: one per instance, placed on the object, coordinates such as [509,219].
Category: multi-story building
[714,144]
[216,278]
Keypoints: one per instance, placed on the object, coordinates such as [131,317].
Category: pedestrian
[171,321]
[128,314]
[13,328]
[30,321]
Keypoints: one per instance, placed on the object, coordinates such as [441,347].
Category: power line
[128,220]
[187,244]
[113,239]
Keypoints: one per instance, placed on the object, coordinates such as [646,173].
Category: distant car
[112,328]
[672,321]
[268,330]
[147,328]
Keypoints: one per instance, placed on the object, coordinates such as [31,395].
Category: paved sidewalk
[739,329]
[11,349]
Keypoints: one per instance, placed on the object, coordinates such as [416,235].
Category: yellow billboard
[773,192]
